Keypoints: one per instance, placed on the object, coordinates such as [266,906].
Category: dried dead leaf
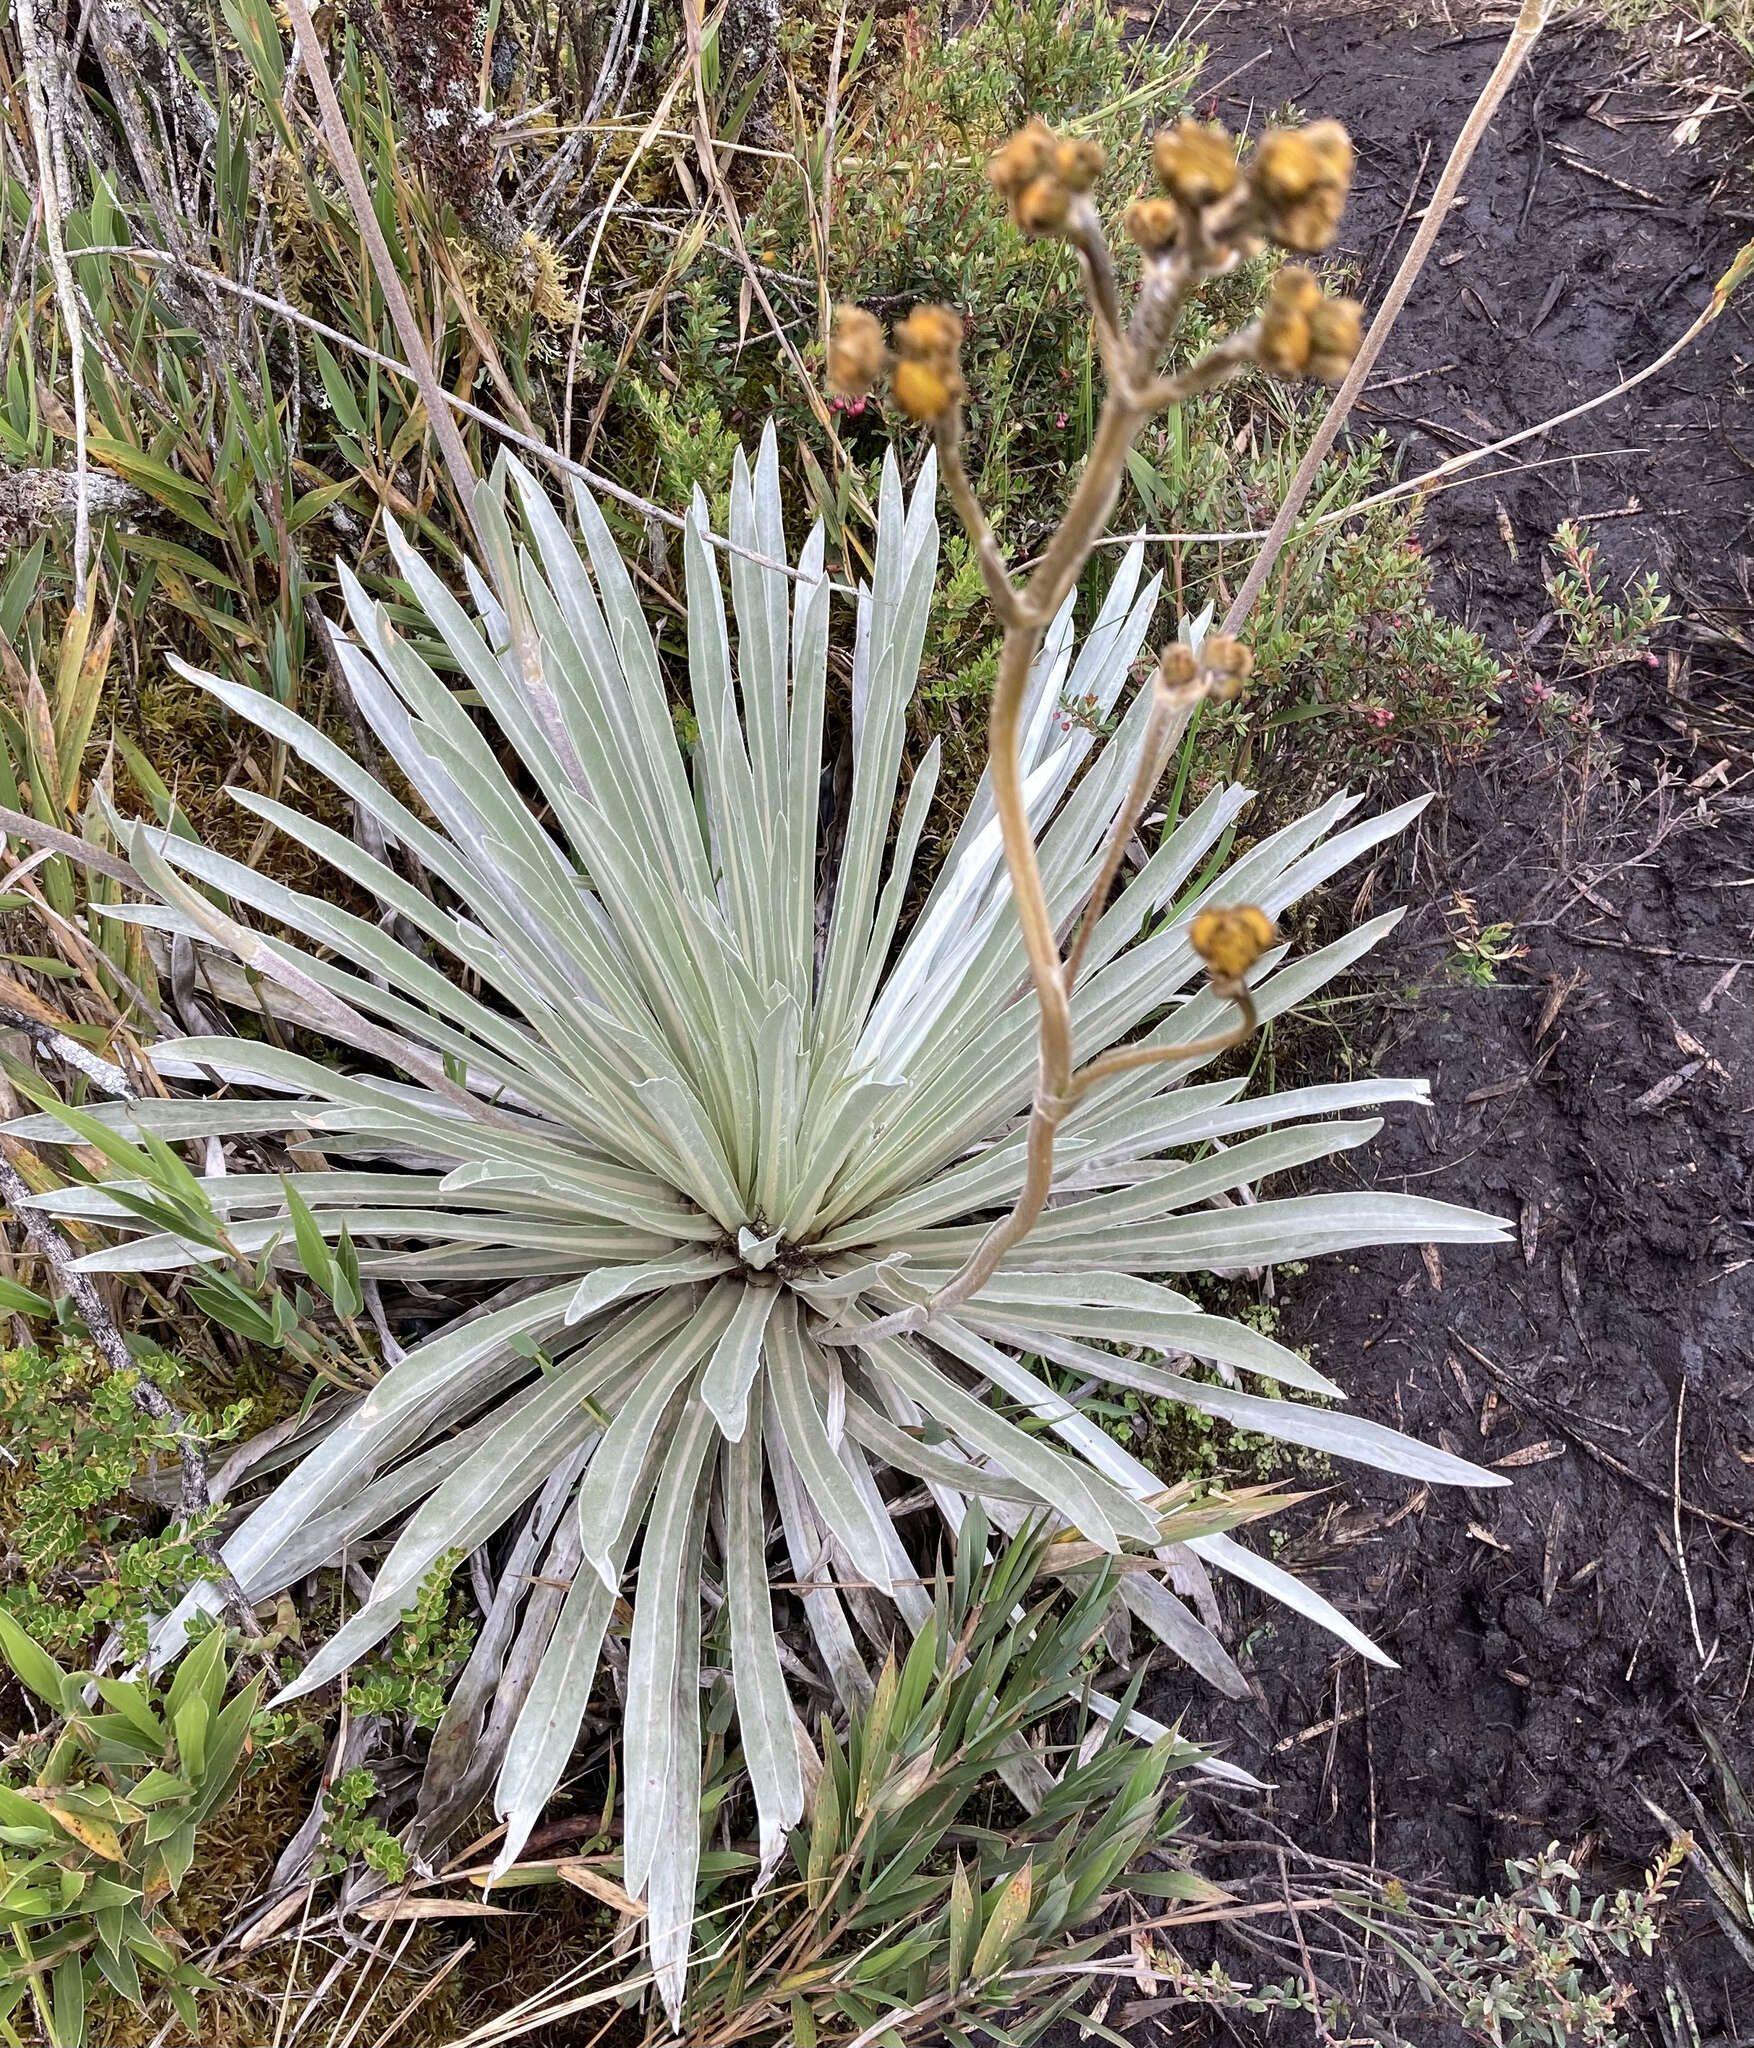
[1559,993]
[271,1922]
[1666,1089]
[586,1877]
[1530,1454]
[1493,1089]
[434,1909]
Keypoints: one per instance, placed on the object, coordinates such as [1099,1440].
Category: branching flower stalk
[1211,214]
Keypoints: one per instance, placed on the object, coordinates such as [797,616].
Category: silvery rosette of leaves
[657,1082]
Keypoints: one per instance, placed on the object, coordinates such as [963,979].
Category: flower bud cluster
[1292,189]
[924,373]
[1196,166]
[1298,181]
[1219,670]
[857,358]
[1303,333]
[927,381]
[1040,173]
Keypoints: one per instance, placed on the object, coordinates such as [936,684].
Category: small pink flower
[1379,714]
[1059,419]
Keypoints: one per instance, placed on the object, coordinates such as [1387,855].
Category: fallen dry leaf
[1558,993]
[1667,1088]
[434,1909]
[1496,1088]
[585,1877]
[1530,1454]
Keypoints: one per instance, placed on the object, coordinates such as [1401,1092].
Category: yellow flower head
[1230,941]
[1227,664]
[1039,172]
[930,334]
[1041,207]
[1197,165]
[1027,155]
[924,391]
[1078,165]
[1285,333]
[1336,329]
[1176,665]
[856,355]
[1153,223]
[1299,179]
[1304,334]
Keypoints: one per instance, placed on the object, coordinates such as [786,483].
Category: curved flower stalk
[624,1067]
[1211,212]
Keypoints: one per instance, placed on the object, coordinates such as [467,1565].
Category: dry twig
[1523,38]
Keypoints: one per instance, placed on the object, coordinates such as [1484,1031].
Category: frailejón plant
[655,1058]
[683,1110]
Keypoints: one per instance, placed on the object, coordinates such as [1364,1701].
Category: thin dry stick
[1428,482]
[414,343]
[56,200]
[1726,285]
[1523,38]
[1680,1540]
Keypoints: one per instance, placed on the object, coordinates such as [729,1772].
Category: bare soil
[1560,1643]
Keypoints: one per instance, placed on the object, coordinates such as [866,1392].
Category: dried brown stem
[1084,231]
[988,553]
[1025,616]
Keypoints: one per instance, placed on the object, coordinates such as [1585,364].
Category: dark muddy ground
[1561,1642]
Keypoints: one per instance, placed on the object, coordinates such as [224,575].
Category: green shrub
[86,1552]
[99,1821]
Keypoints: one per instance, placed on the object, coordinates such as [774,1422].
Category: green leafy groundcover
[698,1111]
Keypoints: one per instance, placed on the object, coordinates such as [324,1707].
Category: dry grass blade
[414,344]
